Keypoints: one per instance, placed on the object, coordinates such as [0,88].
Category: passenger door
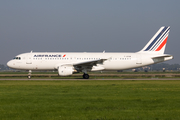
[29,59]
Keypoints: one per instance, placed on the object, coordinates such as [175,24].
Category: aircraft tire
[86,76]
[29,77]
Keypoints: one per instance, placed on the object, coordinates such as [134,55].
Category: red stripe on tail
[162,44]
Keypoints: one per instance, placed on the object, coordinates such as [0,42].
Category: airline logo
[45,55]
[159,40]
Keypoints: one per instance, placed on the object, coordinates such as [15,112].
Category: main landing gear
[29,74]
[86,76]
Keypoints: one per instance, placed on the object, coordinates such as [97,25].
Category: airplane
[67,63]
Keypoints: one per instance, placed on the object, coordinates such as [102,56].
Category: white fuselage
[114,61]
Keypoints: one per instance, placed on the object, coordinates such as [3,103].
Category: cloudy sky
[85,26]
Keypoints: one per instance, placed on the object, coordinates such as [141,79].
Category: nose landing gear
[29,74]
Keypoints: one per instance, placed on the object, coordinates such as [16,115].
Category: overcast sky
[85,26]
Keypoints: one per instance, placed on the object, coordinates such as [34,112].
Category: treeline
[165,66]
[3,67]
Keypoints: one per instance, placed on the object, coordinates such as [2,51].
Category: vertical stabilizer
[157,43]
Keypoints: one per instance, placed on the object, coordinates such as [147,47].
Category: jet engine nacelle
[65,70]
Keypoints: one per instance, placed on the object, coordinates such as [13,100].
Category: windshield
[17,58]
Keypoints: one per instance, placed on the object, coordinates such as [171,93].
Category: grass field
[90,100]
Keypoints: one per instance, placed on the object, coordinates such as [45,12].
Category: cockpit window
[17,58]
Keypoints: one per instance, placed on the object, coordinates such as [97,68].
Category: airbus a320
[67,63]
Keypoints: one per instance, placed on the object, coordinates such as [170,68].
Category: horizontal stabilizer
[162,58]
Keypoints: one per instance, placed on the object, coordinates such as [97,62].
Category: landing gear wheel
[29,76]
[86,76]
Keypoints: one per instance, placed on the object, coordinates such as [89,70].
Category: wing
[89,65]
[86,66]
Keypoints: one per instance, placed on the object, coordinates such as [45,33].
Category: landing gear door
[29,59]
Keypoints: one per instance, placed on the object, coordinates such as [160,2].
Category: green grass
[90,100]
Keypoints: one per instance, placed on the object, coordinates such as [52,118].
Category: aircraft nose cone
[9,64]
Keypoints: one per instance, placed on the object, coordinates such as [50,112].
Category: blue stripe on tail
[160,39]
[154,41]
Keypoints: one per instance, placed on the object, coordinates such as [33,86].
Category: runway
[92,79]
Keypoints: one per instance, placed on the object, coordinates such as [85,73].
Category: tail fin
[157,43]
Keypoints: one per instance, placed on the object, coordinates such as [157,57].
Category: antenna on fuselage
[31,51]
[104,51]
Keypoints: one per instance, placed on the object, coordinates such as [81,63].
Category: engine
[65,70]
